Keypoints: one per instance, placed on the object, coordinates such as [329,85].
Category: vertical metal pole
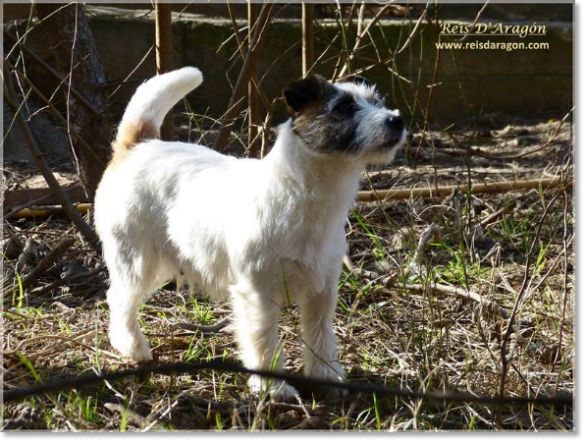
[164,55]
[253,140]
[307,37]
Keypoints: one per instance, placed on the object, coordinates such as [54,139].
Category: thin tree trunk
[38,156]
[164,46]
[307,38]
[71,42]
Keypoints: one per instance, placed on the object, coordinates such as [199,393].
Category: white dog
[261,232]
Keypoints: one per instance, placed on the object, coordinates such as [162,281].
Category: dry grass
[424,340]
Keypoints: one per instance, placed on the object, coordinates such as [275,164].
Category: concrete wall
[468,82]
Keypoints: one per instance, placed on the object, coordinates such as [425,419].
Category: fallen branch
[67,280]
[23,198]
[444,191]
[209,329]
[390,283]
[492,307]
[47,262]
[229,367]
[375,195]
[48,211]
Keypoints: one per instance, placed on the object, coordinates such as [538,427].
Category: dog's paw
[279,391]
[283,392]
[328,371]
[132,347]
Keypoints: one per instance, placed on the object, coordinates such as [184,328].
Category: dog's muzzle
[394,127]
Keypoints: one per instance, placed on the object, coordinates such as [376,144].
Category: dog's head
[345,118]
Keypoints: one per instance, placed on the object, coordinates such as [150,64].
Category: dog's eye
[346,107]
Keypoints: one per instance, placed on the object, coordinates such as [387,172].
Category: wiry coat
[259,232]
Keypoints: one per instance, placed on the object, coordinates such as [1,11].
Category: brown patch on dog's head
[307,93]
[347,118]
[129,135]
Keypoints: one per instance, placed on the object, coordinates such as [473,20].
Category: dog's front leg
[256,326]
[321,347]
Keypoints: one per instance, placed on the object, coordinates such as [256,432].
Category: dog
[261,233]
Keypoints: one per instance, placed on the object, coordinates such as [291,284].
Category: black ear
[358,80]
[302,93]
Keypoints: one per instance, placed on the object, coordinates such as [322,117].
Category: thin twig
[47,262]
[391,283]
[236,100]
[67,280]
[209,329]
[526,280]
[62,81]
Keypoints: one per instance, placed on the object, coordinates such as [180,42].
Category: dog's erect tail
[152,100]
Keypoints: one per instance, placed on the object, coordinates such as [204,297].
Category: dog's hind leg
[131,281]
[256,327]
[125,333]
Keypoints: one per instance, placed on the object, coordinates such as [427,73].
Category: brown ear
[300,94]
[359,80]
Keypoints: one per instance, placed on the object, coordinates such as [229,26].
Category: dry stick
[443,191]
[20,208]
[67,280]
[369,196]
[80,381]
[192,327]
[62,81]
[37,155]
[256,83]
[164,55]
[47,262]
[565,251]
[362,33]
[389,283]
[33,196]
[48,211]
[307,50]
[243,78]
[491,306]
[253,140]
[483,154]
[522,290]
[497,215]
[468,34]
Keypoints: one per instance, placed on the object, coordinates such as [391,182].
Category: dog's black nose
[395,124]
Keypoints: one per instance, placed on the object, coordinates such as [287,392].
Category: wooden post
[253,140]
[307,37]
[164,50]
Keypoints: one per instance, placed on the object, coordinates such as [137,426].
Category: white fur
[153,99]
[260,232]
